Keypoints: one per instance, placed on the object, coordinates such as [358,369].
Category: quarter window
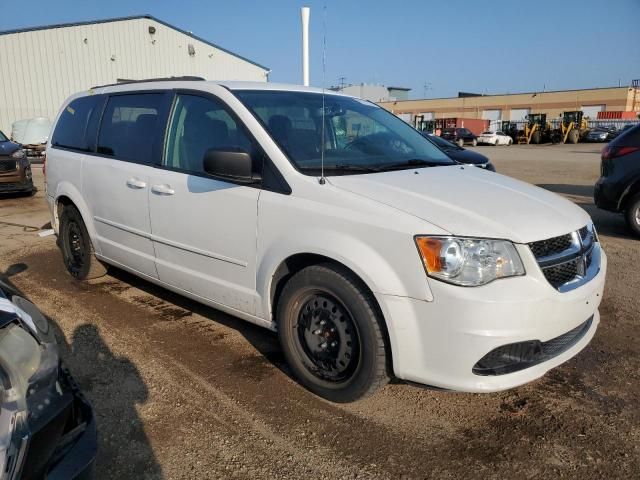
[199,124]
[77,125]
[130,125]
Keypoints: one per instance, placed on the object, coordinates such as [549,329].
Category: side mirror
[231,163]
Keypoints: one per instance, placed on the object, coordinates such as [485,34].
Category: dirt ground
[184,391]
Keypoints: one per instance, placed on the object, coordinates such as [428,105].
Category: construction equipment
[423,125]
[573,127]
[536,129]
[511,129]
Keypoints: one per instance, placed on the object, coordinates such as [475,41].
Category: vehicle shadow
[115,389]
[263,340]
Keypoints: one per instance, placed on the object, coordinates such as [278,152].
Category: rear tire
[475,142]
[332,334]
[76,247]
[632,215]
[460,142]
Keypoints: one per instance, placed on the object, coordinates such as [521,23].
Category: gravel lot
[184,391]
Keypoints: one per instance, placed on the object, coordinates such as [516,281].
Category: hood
[469,201]
[466,156]
[7,148]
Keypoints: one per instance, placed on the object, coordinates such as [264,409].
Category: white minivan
[331,221]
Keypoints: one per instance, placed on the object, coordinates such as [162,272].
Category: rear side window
[77,125]
[130,126]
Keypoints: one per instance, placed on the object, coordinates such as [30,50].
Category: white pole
[304,12]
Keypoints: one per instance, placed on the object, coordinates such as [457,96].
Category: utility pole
[342,82]
[426,87]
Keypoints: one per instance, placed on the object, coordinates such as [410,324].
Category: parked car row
[334,223]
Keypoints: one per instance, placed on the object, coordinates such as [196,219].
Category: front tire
[331,333]
[474,142]
[574,136]
[76,247]
[632,215]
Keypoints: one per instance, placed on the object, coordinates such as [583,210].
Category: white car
[331,221]
[494,138]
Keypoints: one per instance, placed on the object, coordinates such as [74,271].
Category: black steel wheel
[75,244]
[331,333]
[327,339]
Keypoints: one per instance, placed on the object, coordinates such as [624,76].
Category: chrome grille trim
[573,266]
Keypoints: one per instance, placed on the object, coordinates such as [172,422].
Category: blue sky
[463,45]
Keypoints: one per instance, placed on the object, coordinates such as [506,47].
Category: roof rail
[122,81]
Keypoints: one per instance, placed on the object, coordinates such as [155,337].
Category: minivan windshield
[359,137]
[3,138]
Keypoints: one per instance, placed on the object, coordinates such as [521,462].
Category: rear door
[116,178]
[204,228]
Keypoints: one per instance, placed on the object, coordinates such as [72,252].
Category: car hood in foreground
[7,148]
[469,201]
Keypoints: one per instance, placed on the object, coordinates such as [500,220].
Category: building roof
[134,17]
[539,92]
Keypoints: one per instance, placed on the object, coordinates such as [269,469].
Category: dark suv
[15,169]
[618,188]
[460,136]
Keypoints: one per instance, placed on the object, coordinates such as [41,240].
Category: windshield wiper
[344,168]
[416,162]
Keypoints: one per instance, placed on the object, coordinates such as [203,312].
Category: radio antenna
[324,58]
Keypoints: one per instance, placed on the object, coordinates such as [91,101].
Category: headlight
[20,355]
[18,154]
[469,261]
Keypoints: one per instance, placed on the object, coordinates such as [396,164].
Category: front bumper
[16,187]
[606,194]
[77,452]
[438,343]
[16,181]
[62,440]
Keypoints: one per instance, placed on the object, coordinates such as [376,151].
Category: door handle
[163,189]
[136,183]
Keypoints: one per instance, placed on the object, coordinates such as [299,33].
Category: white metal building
[42,66]
[374,93]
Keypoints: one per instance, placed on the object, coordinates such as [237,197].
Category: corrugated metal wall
[40,68]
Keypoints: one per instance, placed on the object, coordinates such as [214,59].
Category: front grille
[566,259]
[518,356]
[551,246]
[558,275]
[8,165]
